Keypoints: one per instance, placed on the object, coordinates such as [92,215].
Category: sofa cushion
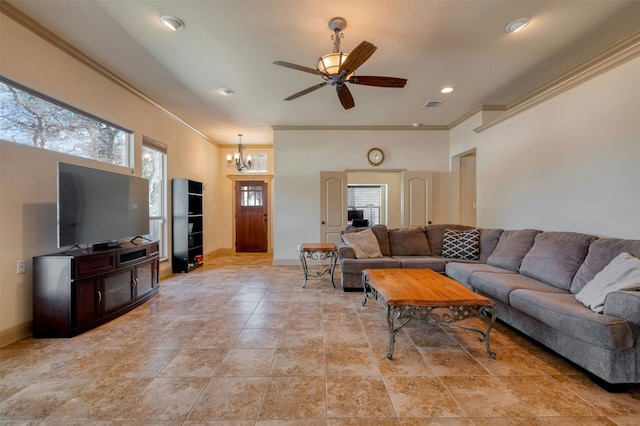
[422,262]
[488,242]
[461,272]
[511,248]
[356,266]
[380,231]
[622,273]
[601,252]
[461,244]
[500,285]
[364,244]
[435,235]
[555,257]
[408,242]
[565,314]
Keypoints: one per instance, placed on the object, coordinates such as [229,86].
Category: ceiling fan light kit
[338,68]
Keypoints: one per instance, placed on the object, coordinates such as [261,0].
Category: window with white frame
[154,168]
[259,164]
[368,199]
[31,118]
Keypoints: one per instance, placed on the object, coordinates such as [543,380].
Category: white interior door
[333,205]
[417,198]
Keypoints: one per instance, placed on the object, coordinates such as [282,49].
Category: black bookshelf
[187,225]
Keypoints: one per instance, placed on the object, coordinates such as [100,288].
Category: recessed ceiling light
[517,25]
[171,22]
[225,91]
[446,90]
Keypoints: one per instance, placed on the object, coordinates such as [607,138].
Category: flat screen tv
[99,207]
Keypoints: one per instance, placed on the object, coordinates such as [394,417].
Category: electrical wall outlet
[22,267]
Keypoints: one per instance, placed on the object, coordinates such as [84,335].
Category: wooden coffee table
[424,294]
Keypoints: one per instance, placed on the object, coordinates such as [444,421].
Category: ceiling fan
[338,68]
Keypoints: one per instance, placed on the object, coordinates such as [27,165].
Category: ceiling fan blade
[345,97]
[297,67]
[374,80]
[305,91]
[357,57]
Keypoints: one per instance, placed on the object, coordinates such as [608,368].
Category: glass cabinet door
[145,278]
[118,289]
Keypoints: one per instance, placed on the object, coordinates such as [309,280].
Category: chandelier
[238,159]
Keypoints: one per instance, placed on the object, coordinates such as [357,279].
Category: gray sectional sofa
[533,277]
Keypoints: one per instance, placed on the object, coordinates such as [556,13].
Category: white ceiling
[431,43]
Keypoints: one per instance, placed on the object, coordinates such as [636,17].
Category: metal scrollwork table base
[318,251]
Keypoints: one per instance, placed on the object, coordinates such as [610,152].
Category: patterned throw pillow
[461,244]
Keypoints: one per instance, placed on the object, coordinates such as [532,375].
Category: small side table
[318,251]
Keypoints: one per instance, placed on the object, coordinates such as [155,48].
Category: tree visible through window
[31,118]
[154,166]
[250,196]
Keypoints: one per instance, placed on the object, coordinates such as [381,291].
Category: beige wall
[300,156]
[571,163]
[27,175]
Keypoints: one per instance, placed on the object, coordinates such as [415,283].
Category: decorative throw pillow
[622,273]
[364,243]
[461,244]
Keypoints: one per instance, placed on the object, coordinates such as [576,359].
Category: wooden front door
[251,216]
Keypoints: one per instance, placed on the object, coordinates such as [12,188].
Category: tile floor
[239,342]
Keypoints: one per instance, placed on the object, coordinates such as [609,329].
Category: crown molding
[342,128]
[36,28]
[616,55]
[481,108]
[244,145]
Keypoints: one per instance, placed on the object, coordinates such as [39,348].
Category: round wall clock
[375,156]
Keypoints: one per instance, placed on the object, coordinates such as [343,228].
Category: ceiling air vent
[432,104]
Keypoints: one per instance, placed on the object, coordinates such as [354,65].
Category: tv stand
[78,290]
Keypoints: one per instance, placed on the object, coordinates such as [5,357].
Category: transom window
[258,164]
[31,118]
